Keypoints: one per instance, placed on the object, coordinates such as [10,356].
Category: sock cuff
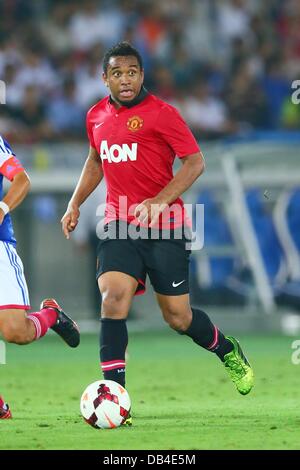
[114,364]
[37,324]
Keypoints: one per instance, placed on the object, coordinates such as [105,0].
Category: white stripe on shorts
[13,287]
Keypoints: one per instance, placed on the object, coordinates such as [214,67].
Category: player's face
[124,78]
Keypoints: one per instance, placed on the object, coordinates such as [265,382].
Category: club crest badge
[135,123]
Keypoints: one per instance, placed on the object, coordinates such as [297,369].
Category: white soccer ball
[105,404]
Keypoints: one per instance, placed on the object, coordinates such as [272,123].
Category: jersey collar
[137,100]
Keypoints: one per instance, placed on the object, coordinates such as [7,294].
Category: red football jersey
[137,145]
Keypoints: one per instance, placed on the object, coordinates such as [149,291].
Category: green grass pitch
[181,396]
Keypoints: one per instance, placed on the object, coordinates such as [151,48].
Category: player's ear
[104,78]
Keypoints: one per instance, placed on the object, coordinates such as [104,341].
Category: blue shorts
[13,287]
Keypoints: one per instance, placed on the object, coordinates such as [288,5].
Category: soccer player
[16,324]
[134,137]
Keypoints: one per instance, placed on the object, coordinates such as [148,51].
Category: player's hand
[70,220]
[148,211]
[2,215]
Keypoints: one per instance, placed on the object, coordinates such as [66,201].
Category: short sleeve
[10,166]
[175,132]
[89,129]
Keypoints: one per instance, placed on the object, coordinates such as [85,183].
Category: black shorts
[166,261]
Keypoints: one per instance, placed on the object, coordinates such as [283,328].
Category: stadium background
[228,66]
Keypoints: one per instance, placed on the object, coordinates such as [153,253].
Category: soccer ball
[105,404]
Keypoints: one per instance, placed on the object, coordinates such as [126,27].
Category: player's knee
[14,333]
[113,300]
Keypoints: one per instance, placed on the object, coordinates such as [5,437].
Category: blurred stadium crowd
[227,65]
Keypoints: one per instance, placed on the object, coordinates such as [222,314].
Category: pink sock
[2,402]
[43,320]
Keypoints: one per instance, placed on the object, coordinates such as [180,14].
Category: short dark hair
[123,49]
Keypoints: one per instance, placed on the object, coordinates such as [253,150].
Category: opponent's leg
[19,327]
[64,326]
[16,328]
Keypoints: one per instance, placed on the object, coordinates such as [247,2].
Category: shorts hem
[170,293]
[15,307]
[139,291]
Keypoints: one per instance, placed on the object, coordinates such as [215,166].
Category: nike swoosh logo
[176,284]
[98,125]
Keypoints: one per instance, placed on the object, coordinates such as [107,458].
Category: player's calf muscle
[16,328]
[16,336]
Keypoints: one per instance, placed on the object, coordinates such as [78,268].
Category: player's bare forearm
[17,190]
[90,177]
[192,167]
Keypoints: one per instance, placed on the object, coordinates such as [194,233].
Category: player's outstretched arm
[90,177]
[17,192]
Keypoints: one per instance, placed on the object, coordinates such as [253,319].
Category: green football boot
[239,368]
